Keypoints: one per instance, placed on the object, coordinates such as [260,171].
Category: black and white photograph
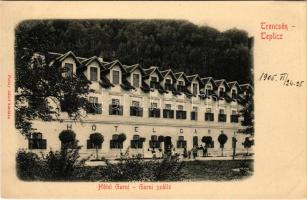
[133,100]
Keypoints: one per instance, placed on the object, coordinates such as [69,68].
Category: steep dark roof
[151,70]
[234,83]
[222,81]
[167,72]
[104,82]
[181,74]
[132,68]
[110,65]
[246,86]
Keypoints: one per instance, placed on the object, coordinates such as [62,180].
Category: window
[168,106]
[95,107]
[168,84]
[194,113]
[209,116]
[136,80]
[180,107]
[233,112]
[181,143]
[115,108]
[233,93]
[93,74]
[154,143]
[154,79]
[222,90]
[93,100]
[153,105]
[154,83]
[115,102]
[222,116]
[115,143]
[36,141]
[135,104]
[180,83]
[194,88]
[68,69]
[115,78]
[208,89]
[137,142]
[135,109]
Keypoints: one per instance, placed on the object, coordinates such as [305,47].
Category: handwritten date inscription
[282,77]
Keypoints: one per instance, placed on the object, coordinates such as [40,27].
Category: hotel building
[145,104]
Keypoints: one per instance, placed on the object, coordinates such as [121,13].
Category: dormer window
[68,69]
[115,77]
[222,91]
[180,86]
[233,93]
[168,84]
[93,74]
[136,80]
[195,88]
[208,89]
[154,82]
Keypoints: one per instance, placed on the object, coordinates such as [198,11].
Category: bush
[58,165]
[28,165]
[64,165]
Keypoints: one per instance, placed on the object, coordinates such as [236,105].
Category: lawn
[217,170]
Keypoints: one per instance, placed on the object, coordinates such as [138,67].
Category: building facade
[155,110]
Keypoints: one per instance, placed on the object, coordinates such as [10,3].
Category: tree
[222,140]
[248,142]
[207,140]
[96,139]
[247,113]
[67,138]
[41,89]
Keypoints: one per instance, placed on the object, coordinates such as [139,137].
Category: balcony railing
[154,85]
[193,115]
[168,113]
[154,112]
[115,109]
[222,117]
[136,111]
[234,118]
[181,114]
[94,108]
[209,117]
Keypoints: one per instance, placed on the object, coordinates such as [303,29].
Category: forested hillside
[179,45]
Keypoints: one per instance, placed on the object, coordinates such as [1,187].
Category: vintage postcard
[153,99]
